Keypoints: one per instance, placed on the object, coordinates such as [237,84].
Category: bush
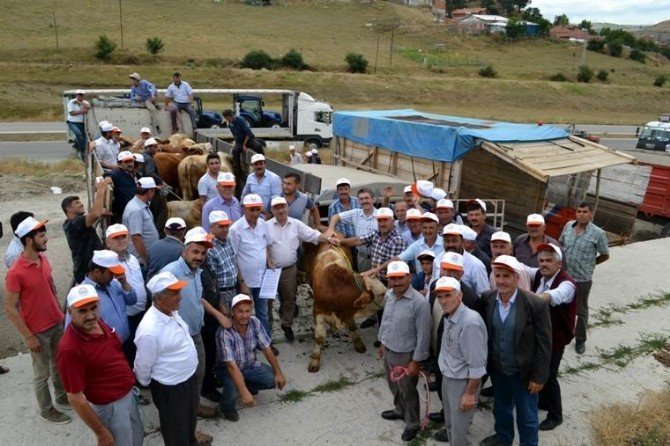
[596,45]
[293,59]
[488,71]
[602,75]
[515,28]
[615,49]
[154,45]
[104,47]
[638,56]
[257,60]
[356,63]
[660,80]
[558,77]
[585,74]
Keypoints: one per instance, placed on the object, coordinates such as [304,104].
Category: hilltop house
[568,32]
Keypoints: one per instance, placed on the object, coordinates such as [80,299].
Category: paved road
[44,150]
[32,127]
[619,143]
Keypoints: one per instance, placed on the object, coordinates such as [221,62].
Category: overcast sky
[624,12]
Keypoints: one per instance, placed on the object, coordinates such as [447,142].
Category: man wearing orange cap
[98,380]
[225,201]
[32,307]
[124,184]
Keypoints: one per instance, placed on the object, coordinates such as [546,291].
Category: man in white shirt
[474,271]
[208,182]
[285,235]
[77,109]
[104,147]
[166,361]
[178,97]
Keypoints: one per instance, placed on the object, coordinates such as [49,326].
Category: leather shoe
[368,323]
[493,441]
[274,350]
[487,392]
[408,434]
[550,424]
[580,347]
[288,333]
[203,439]
[441,436]
[207,412]
[391,415]
[231,415]
[436,417]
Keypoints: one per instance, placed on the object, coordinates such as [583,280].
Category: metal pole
[391,51]
[377,53]
[595,205]
[121,22]
[53,15]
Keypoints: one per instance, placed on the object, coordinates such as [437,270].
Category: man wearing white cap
[250,241]
[262,182]
[444,209]
[193,306]
[178,97]
[221,258]
[404,334]
[138,145]
[414,219]
[471,246]
[96,375]
[294,157]
[364,223]
[553,283]
[525,245]
[462,361]
[208,182]
[501,244]
[124,183]
[477,220]
[168,249]
[144,92]
[77,109]
[140,222]
[518,363]
[474,271]
[150,148]
[167,361]
[344,202]
[104,147]
[237,367]
[225,200]
[32,307]
[315,158]
[286,234]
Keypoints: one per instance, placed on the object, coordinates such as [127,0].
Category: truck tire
[665,232]
[313,144]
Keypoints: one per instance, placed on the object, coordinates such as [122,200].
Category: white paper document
[270,284]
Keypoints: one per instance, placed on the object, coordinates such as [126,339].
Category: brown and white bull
[188,210]
[192,168]
[340,296]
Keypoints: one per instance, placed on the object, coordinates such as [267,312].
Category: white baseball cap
[314,151]
[79,91]
[165,281]
[425,253]
[407,189]
[291,147]
[438,194]
[413,214]
[108,259]
[508,262]
[444,203]
[179,223]
[226,179]
[134,76]
[145,130]
[423,187]
[478,202]
[384,213]
[501,236]
[447,284]
[147,183]
[453,229]
[397,268]
[150,142]
[27,225]
[308,153]
[198,235]
[452,260]
[138,157]
[219,217]
[116,230]
[550,247]
[429,216]
[106,126]
[535,220]
[468,233]
[101,123]
[343,181]
[252,200]
[256,158]
[277,201]
[125,156]
[82,295]
[240,298]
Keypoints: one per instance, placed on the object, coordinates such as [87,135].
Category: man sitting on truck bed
[178,97]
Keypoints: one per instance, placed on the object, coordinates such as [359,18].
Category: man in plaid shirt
[237,367]
[585,247]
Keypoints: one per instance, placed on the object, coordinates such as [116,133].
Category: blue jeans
[508,392]
[255,378]
[261,310]
[79,137]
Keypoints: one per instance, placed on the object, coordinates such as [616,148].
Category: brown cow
[167,164]
[190,211]
[192,168]
[340,296]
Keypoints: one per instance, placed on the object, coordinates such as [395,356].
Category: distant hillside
[663,26]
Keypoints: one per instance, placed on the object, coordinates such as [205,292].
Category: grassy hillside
[431,68]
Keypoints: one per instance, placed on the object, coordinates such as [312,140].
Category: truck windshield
[323,116]
[655,134]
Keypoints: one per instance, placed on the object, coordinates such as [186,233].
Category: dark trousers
[240,168]
[209,343]
[177,410]
[550,395]
[582,296]
[129,347]
[79,137]
[509,393]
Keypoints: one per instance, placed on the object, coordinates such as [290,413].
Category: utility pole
[377,52]
[391,51]
[121,22]
[53,16]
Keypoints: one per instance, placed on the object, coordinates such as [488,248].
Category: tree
[532,15]
[104,47]
[638,56]
[490,6]
[154,45]
[585,24]
[585,74]
[515,28]
[561,20]
[512,6]
[615,48]
[356,63]
[257,60]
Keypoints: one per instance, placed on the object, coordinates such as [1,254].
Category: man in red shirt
[33,308]
[96,375]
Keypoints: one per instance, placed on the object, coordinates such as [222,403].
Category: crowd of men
[180,312]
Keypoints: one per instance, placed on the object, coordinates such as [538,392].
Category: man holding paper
[285,235]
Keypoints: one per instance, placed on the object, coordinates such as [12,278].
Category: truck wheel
[665,232]
[312,144]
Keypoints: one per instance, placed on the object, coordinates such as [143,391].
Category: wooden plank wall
[626,183]
[486,175]
[614,216]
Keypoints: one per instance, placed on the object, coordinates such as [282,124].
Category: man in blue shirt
[144,92]
[264,183]
[243,136]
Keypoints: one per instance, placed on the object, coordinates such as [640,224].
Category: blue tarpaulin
[431,136]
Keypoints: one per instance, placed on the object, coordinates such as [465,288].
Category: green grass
[604,316]
[334,385]
[293,396]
